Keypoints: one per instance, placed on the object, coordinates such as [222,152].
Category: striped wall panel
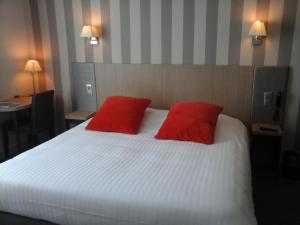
[162,32]
[177,31]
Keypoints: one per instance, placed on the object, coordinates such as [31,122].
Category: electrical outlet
[89,90]
[268,98]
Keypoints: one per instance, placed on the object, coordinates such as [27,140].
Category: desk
[20,103]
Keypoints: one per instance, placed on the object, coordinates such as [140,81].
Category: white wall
[294,88]
[16,46]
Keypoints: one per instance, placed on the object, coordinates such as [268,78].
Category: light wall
[16,46]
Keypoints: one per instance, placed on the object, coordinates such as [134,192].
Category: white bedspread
[86,177]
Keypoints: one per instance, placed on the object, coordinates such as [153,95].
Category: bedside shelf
[258,129]
[77,117]
[266,147]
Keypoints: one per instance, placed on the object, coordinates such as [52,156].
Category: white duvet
[86,177]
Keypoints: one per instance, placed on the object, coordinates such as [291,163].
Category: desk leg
[5,142]
[276,155]
[67,124]
[15,119]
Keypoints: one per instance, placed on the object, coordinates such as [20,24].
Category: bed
[86,177]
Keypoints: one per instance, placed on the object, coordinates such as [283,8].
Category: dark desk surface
[15,104]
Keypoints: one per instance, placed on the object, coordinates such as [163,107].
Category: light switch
[89,90]
[268,98]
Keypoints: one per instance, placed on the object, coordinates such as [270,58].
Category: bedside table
[77,117]
[266,147]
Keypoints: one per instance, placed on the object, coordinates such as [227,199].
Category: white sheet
[86,177]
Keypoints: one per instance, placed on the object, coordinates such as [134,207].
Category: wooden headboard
[228,86]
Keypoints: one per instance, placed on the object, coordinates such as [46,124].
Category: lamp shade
[258,29]
[32,66]
[89,31]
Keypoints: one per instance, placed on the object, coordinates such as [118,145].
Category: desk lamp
[33,66]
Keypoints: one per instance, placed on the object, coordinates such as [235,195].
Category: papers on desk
[8,104]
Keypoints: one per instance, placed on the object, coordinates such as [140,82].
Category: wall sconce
[91,33]
[257,31]
[33,66]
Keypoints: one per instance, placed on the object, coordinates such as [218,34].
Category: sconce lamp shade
[32,66]
[89,31]
[258,29]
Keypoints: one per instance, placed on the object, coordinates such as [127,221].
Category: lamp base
[33,83]
[256,40]
[94,41]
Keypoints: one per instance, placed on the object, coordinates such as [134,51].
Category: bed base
[9,219]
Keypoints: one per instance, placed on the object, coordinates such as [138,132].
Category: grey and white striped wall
[170,31]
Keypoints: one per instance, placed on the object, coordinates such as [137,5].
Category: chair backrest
[297,137]
[42,111]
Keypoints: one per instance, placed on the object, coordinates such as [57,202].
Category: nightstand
[266,147]
[77,117]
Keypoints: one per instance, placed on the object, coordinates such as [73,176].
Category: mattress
[87,177]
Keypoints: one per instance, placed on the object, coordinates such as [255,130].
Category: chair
[42,113]
[40,120]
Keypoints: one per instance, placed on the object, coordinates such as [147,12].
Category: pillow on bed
[190,121]
[119,114]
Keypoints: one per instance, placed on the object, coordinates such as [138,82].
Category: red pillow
[190,121]
[119,114]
